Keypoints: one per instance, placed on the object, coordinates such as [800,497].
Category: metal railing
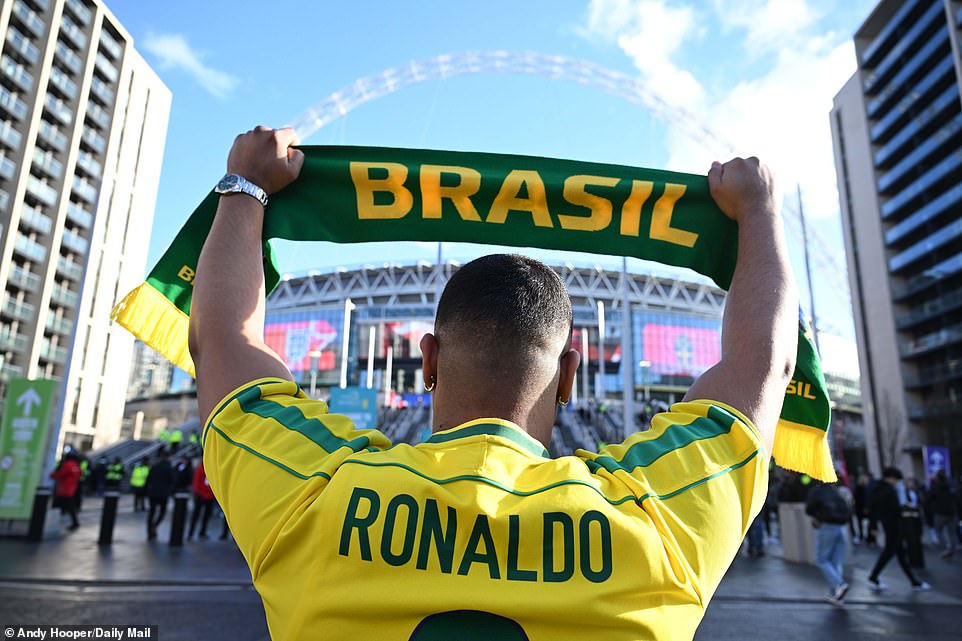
[64,297]
[73,32]
[16,73]
[75,242]
[62,326]
[53,353]
[24,279]
[930,309]
[114,48]
[934,340]
[45,162]
[60,80]
[7,167]
[30,19]
[89,164]
[98,114]
[19,311]
[82,13]
[70,269]
[69,57]
[94,140]
[109,71]
[60,110]
[79,216]
[10,136]
[50,133]
[13,105]
[35,219]
[41,191]
[22,45]
[33,250]
[4,201]
[13,341]
[934,374]
[84,189]
[100,89]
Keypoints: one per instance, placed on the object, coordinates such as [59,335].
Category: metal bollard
[108,517]
[38,517]
[179,520]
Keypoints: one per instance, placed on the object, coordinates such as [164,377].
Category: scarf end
[804,449]
[152,318]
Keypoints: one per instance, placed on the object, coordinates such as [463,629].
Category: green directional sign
[23,437]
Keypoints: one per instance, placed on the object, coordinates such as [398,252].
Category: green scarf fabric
[357,194]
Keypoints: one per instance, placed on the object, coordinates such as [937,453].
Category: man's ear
[429,358]
[569,367]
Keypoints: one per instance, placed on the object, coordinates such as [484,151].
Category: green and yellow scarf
[357,194]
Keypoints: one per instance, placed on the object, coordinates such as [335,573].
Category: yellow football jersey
[476,533]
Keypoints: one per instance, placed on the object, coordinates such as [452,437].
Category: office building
[83,120]
[897,130]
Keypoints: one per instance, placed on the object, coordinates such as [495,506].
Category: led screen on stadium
[675,345]
[295,335]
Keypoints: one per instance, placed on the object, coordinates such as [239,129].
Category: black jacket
[160,480]
[826,504]
[884,506]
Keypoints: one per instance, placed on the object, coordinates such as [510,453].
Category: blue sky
[758,73]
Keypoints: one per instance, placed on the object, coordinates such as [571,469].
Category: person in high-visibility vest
[176,438]
[164,436]
[193,439]
[115,474]
[138,483]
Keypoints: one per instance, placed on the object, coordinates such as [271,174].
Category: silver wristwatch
[232,184]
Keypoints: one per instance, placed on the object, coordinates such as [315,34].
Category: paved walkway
[75,557]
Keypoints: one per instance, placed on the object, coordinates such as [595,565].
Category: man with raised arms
[477,533]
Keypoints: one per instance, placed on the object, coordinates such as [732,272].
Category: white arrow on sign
[27,400]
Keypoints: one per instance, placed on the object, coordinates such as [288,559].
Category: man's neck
[445,420]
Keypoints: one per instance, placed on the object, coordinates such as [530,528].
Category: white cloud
[768,23]
[174,52]
[650,32]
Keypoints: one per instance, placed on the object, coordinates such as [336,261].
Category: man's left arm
[227,307]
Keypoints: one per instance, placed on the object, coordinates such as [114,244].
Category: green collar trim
[492,427]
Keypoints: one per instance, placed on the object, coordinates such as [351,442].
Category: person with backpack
[830,512]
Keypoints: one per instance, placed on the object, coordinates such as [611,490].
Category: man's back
[347,534]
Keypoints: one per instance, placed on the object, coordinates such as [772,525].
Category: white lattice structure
[416,285]
[832,268]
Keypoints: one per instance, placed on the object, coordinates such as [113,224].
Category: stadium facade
[675,329]
[897,131]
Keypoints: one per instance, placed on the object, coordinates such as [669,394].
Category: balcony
[58,109]
[929,342]
[60,80]
[98,114]
[41,191]
[70,269]
[94,140]
[24,279]
[100,89]
[53,136]
[7,167]
[930,309]
[17,74]
[79,216]
[933,209]
[62,326]
[75,242]
[940,373]
[32,218]
[11,104]
[65,297]
[84,189]
[30,20]
[10,136]
[108,70]
[940,75]
[14,342]
[937,409]
[110,45]
[8,371]
[89,164]
[913,159]
[80,12]
[949,233]
[934,174]
[884,37]
[68,57]
[18,311]
[4,201]
[53,353]
[46,163]
[931,276]
[894,61]
[73,32]
[22,45]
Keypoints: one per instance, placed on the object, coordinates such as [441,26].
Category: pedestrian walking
[138,484]
[831,512]
[203,503]
[66,488]
[912,524]
[160,483]
[176,439]
[886,509]
[942,498]
[860,511]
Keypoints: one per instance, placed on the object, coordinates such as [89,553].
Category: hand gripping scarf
[355,194]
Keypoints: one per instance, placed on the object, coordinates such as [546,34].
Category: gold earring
[563,403]
[430,388]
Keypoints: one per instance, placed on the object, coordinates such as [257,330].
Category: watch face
[227,183]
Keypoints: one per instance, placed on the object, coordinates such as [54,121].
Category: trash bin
[798,535]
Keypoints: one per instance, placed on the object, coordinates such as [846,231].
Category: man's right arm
[760,324]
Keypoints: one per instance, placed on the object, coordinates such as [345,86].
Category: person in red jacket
[203,502]
[67,476]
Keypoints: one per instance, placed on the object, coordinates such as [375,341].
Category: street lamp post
[348,308]
[387,376]
[315,356]
[370,358]
[645,365]
[584,365]
[600,386]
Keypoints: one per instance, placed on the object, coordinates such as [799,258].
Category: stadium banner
[358,404]
[363,194]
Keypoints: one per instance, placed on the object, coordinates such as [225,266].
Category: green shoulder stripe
[267,458]
[645,453]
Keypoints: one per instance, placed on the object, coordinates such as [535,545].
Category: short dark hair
[892,473]
[517,301]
